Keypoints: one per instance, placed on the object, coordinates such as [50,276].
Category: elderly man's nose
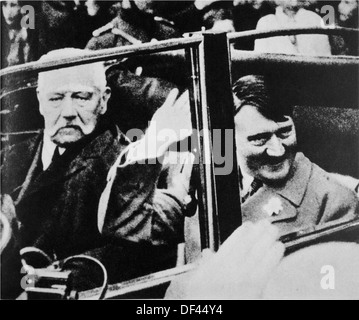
[68,109]
[275,147]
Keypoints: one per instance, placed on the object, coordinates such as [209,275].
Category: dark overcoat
[57,209]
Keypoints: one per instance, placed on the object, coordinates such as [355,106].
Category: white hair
[95,70]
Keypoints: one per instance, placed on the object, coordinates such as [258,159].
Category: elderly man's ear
[104,100]
[39,99]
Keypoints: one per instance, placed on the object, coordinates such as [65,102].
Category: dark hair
[260,92]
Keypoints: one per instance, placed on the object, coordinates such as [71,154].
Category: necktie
[254,187]
[56,156]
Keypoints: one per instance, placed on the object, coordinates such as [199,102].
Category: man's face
[265,148]
[11,11]
[347,9]
[71,104]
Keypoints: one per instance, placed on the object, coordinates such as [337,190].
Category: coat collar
[285,199]
[295,188]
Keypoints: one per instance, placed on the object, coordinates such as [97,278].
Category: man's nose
[275,147]
[68,110]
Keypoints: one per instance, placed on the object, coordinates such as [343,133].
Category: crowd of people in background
[103,24]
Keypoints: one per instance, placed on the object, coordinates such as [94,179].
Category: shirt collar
[246,183]
[48,149]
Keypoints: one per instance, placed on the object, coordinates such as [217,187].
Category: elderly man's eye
[83,96]
[57,98]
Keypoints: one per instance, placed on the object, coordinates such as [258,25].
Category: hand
[170,123]
[242,266]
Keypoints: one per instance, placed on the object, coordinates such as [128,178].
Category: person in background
[347,17]
[140,21]
[62,24]
[246,14]
[348,13]
[17,43]
[142,83]
[291,14]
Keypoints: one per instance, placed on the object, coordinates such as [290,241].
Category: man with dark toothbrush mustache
[279,183]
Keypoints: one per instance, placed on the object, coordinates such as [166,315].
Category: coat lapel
[268,204]
[280,204]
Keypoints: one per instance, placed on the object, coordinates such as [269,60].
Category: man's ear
[39,100]
[104,100]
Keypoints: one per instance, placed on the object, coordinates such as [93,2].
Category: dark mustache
[274,160]
[270,160]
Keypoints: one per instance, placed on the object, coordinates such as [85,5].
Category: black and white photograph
[179,154]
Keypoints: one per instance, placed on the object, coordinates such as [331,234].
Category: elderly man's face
[265,149]
[71,104]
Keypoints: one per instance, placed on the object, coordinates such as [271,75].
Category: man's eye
[284,133]
[259,139]
[259,142]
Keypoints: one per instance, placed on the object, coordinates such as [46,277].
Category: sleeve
[342,207]
[340,204]
[347,181]
[136,210]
